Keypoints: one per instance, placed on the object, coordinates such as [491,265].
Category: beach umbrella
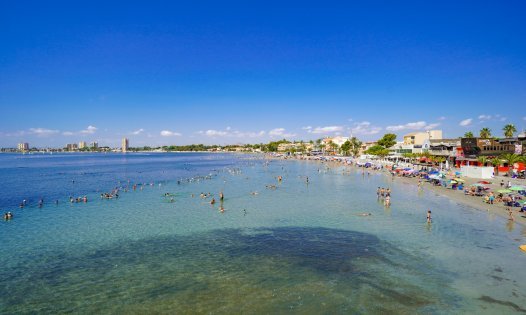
[459,179]
[483,182]
[453,182]
[478,185]
[517,188]
[504,191]
[522,202]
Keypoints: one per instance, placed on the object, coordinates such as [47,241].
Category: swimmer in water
[221,196]
[212,201]
[428,216]
[365,214]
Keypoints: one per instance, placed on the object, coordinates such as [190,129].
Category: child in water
[428,216]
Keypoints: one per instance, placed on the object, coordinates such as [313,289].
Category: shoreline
[475,202]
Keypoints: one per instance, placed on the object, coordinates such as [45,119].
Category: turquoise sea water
[295,249]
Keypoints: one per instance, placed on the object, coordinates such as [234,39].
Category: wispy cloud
[441,118]
[68,133]
[214,133]
[327,129]
[90,130]
[39,132]
[229,132]
[484,117]
[419,125]
[137,132]
[280,132]
[42,132]
[168,133]
[466,122]
[364,128]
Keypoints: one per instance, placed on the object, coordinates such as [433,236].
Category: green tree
[469,134]
[333,147]
[509,130]
[511,159]
[485,133]
[377,150]
[482,160]
[355,146]
[496,162]
[346,147]
[388,140]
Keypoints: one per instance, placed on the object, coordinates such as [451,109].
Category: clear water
[297,249]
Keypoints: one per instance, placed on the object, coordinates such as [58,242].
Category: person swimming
[221,196]
[428,216]
[213,201]
[8,216]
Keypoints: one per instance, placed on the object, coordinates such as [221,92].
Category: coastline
[475,202]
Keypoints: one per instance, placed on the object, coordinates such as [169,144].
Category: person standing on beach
[428,216]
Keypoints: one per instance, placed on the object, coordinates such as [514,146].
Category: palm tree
[511,159]
[509,130]
[356,145]
[485,133]
[482,160]
[469,134]
[440,160]
[496,163]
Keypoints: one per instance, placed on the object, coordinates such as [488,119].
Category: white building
[23,146]
[124,146]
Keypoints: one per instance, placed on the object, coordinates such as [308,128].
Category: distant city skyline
[162,73]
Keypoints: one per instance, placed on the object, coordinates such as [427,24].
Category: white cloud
[466,122]
[327,129]
[138,132]
[280,132]
[441,118]
[215,133]
[524,118]
[228,132]
[365,128]
[485,117]
[90,130]
[168,133]
[42,132]
[419,125]
[68,133]
[306,128]
[277,132]
[503,119]
[249,134]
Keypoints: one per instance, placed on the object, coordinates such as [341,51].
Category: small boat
[523,247]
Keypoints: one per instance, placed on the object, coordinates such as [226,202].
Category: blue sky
[226,72]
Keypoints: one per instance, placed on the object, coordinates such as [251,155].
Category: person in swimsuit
[428,216]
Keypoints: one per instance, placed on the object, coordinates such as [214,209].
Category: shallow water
[299,248]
